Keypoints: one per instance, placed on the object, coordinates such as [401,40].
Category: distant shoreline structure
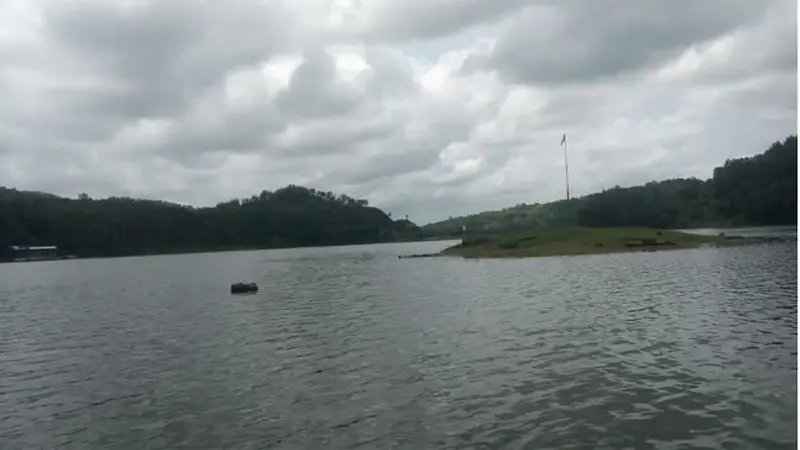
[32,253]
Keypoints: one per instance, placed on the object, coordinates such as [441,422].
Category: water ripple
[349,348]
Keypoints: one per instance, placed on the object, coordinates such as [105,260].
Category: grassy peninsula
[551,241]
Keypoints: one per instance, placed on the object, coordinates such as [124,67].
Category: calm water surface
[350,347]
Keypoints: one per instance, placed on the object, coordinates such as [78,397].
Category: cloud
[431,109]
[584,42]
[421,19]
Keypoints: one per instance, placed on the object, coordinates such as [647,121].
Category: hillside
[289,217]
[758,190]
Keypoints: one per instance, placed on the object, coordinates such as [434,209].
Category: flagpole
[566,163]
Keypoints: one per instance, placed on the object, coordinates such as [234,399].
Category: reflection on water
[351,347]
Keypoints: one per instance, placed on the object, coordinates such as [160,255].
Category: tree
[759,190]
[288,217]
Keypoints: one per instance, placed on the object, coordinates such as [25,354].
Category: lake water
[350,347]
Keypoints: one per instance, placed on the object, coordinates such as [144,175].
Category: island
[552,241]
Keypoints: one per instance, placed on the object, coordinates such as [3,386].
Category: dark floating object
[420,255]
[244,288]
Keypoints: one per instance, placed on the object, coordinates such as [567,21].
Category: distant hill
[758,190]
[293,216]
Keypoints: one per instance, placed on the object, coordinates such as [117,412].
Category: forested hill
[289,217]
[759,190]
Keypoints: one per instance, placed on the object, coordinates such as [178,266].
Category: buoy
[243,288]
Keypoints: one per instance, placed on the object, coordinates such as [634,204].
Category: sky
[431,108]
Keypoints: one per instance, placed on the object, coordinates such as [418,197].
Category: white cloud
[431,109]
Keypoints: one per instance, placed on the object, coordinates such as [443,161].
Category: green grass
[576,241]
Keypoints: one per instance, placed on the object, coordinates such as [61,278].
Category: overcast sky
[425,107]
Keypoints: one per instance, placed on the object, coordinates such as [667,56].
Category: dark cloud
[330,139]
[755,49]
[582,42]
[424,19]
[313,91]
[377,168]
[390,74]
[165,54]
[428,108]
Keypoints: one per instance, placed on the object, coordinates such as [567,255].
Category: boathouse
[32,253]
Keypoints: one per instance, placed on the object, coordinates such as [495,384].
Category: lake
[353,348]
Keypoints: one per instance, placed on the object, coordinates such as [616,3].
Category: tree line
[292,216]
[751,191]
[758,190]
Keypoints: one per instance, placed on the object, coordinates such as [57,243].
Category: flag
[563,139]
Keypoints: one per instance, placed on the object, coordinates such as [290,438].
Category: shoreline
[577,241]
[224,250]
